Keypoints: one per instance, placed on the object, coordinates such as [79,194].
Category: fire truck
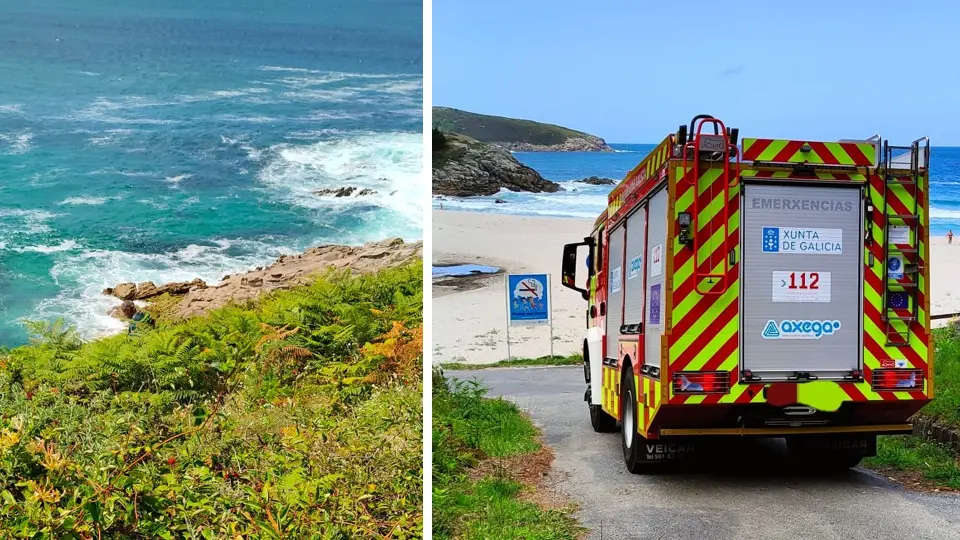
[758,288]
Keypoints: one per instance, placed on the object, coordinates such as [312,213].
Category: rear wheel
[632,441]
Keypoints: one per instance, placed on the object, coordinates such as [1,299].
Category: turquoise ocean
[586,201]
[170,140]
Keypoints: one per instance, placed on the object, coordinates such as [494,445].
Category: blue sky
[632,71]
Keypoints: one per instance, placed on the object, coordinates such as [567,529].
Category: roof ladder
[902,264]
[714,147]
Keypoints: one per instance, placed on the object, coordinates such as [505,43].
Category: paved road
[764,504]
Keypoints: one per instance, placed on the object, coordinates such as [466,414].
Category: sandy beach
[470,314]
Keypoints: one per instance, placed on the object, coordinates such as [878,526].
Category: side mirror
[568,271]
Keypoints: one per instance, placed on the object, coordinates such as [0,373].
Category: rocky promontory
[465,167]
[187,299]
[515,134]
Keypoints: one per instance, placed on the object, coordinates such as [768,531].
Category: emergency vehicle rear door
[801,280]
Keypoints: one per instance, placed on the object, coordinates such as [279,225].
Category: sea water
[171,140]
[587,201]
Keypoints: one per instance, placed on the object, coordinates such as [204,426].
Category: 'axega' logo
[802,329]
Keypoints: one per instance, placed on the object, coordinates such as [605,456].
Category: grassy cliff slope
[295,416]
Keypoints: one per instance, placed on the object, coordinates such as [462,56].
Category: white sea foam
[111,136]
[15,220]
[586,202]
[390,164]
[942,213]
[66,245]
[84,200]
[13,108]
[177,179]
[16,143]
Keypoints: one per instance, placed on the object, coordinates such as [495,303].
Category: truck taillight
[897,379]
[701,382]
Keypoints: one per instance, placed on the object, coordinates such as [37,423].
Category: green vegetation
[935,463]
[298,416]
[486,128]
[471,499]
[570,360]
[946,375]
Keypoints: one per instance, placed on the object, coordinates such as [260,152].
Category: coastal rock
[348,191]
[597,181]
[500,201]
[587,143]
[464,167]
[288,271]
[125,291]
[147,289]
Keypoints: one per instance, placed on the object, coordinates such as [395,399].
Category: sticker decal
[615,280]
[656,260]
[900,363]
[799,329]
[895,267]
[801,286]
[636,264]
[802,240]
[655,304]
[898,234]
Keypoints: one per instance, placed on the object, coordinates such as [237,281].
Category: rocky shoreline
[190,298]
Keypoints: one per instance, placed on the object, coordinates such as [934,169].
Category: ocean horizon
[584,201]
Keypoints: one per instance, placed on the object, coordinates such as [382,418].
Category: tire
[599,419]
[631,441]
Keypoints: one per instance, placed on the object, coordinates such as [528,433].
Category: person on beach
[949,236]
[130,311]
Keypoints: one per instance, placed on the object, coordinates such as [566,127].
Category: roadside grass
[946,375]
[920,459]
[913,459]
[569,360]
[471,431]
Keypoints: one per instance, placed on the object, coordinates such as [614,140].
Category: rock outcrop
[348,191]
[197,297]
[464,167]
[597,181]
[147,289]
[587,143]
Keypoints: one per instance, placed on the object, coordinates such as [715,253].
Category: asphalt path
[751,495]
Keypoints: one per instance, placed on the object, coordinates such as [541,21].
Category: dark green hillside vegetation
[298,416]
[487,128]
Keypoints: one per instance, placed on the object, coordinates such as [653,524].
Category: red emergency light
[897,379]
[701,382]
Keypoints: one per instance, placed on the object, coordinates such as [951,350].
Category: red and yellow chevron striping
[640,179]
[860,154]
[704,330]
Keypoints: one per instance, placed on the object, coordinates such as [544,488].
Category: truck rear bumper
[880,429]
